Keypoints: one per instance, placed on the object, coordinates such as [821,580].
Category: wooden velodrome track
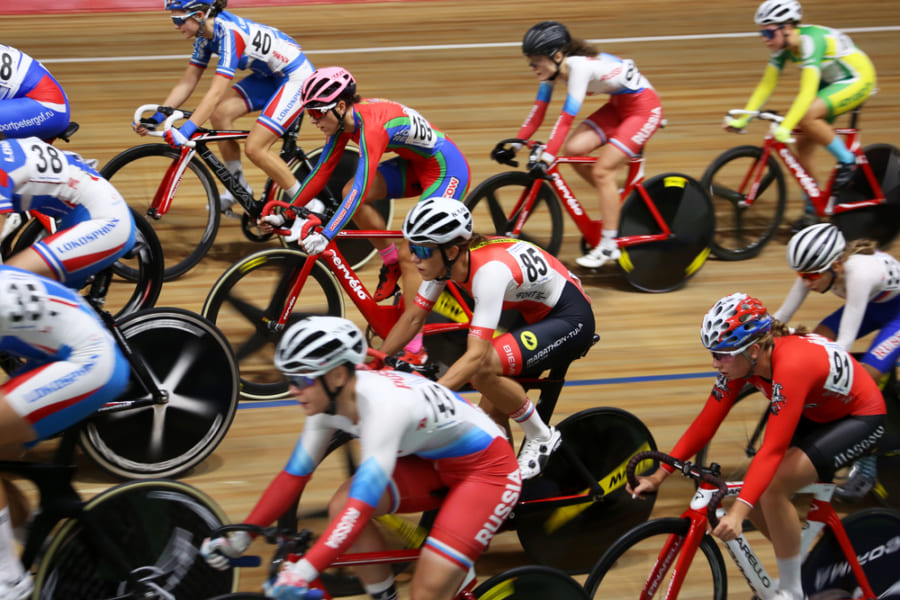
[478,89]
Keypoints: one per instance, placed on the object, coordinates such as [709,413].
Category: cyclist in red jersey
[427,164]
[825,411]
[500,274]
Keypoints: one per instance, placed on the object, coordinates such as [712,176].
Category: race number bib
[531,261]
[840,371]
[420,133]
[49,165]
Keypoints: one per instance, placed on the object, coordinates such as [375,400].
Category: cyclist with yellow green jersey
[835,77]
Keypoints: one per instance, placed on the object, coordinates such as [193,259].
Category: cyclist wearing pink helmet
[428,164]
[835,78]
[824,412]
[278,68]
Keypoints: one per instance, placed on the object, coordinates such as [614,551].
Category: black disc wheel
[882,221]
[530,583]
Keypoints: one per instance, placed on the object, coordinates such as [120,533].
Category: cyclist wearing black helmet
[620,128]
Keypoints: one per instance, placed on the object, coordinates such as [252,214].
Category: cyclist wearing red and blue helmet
[32,103]
[278,68]
[824,412]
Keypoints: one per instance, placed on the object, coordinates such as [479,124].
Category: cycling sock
[839,150]
[415,345]
[385,590]
[235,168]
[292,191]
[389,255]
[789,575]
[530,421]
[609,238]
[808,207]
[10,565]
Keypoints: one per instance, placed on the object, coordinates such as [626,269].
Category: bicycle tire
[356,251]
[625,567]
[571,537]
[742,232]
[493,199]
[874,535]
[159,523]
[190,360]
[120,296]
[531,582]
[187,231]
[250,295]
[686,208]
[880,222]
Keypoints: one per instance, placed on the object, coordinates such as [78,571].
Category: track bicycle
[665,227]
[748,191]
[522,583]
[855,557]
[134,541]
[176,189]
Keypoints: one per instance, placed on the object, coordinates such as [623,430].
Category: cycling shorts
[445,175]
[562,336]
[883,317]
[628,120]
[54,396]
[836,444]
[843,96]
[89,239]
[474,494]
[277,97]
[42,111]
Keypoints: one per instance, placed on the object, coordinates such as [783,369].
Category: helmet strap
[340,117]
[448,263]
[557,63]
[332,396]
[833,278]
[202,21]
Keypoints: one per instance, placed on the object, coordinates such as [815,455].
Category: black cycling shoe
[843,175]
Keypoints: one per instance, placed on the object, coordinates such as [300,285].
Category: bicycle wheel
[493,200]
[874,534]
[882,221]
[739,436]
[531,582]
[685,207]
[572,536]
[192,363]
[188,229]
[250,296]
[118,295]
[743,231]
[629,565]
[146,523]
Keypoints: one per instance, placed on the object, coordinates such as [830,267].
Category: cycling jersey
[812,377]
[73,366]
[96,227]
[32,103]
[871,290]
[279,66]
[429,158]
[832,68]
[416,437]
[637,108]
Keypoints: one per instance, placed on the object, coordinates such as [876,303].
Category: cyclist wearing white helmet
[835,78]
[824,411]
[70,367]
[620,128]
[32,103]
[427,164]
[556,325]
[278,68]
[417,439]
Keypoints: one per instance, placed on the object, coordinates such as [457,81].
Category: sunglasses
[318,112]
[301,382]
[812,276]
[421,252]
[722,356]
[770,33]
[180,19]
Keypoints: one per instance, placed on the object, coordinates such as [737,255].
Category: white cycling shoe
[535,453]
[599,256]
[17,590]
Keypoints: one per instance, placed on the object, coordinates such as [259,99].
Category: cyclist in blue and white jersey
[278,68]
[96,227]
[72,366]
[32,103]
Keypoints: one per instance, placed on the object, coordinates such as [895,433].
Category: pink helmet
[323,88]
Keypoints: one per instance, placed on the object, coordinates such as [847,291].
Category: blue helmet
[188,5]
[734,323]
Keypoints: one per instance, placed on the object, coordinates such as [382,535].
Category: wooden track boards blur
[478,96]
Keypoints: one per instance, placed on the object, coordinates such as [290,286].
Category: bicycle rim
[493,201]
[572,537]
[151,523]
[628,566]
[188,229]
[250,296]
[193,364]
[666,265]
[743,231]
[530,583]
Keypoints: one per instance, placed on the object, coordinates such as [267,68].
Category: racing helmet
[545,39]
[325,86]
[438,222]
[315,345]
[734,323]
[813,249]
[776,12]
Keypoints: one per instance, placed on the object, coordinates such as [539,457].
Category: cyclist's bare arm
[409,323]
[179,94]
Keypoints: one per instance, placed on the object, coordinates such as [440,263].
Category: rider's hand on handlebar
[782,134]
[504,155]
[218,551]
[314,243]
[737,124]
[538,169]
[148,124]
[179,136]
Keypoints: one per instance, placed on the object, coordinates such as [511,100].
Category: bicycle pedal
[230,214]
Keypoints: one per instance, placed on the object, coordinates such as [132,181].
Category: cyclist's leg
[236,103]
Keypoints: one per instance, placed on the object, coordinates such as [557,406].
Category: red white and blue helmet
[734,323]
[188,5]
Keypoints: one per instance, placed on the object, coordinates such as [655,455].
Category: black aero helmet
[545,39]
